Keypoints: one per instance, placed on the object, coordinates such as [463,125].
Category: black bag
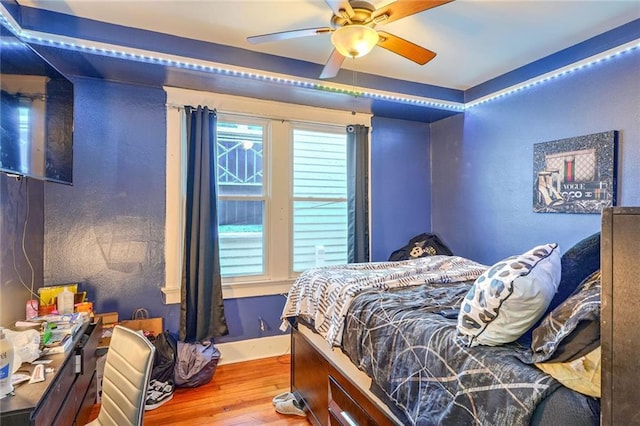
[421,246]
[195,364]
[165,358]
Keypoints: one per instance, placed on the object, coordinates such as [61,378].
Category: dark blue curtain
[202,309]
[358,193]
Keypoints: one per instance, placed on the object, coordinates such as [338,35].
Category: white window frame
[284,113]
[266,195]
[293,198]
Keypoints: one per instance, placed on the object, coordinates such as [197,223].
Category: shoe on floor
[290,407]
[283,397]
[157,394]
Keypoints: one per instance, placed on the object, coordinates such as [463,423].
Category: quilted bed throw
[323,295]
[416,361]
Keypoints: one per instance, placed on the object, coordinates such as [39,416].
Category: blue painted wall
[21,245]
[400,184]
[107,230]
[482,162]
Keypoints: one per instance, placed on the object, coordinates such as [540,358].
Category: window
[319,198]
[282,194]
[24,131]
[245,207]
[241,196]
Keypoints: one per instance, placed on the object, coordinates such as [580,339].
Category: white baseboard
[247,350]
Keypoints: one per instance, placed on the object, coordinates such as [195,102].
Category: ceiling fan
[353,32]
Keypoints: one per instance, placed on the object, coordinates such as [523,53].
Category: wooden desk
[67,395]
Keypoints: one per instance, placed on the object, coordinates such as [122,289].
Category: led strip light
[153,57]
[560,72]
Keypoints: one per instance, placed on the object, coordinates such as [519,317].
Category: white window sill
[171,295]
[252,289]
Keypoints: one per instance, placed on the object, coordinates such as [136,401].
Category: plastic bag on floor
[165,357]
[196,363]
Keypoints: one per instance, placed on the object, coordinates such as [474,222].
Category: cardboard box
[149,326]
[109,320]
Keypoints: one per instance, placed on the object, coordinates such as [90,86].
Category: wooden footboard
[329,397]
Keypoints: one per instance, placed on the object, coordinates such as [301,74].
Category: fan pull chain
[355,93]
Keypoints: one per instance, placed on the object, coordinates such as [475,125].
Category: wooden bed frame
[620,300]
[329,396]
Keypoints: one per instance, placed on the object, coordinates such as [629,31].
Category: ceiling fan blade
[405,48]
[402,8]
[338,5]
[285,35]
[333,65]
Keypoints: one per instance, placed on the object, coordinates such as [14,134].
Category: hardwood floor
[239,394]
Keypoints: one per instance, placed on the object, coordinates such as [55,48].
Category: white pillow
[510,297]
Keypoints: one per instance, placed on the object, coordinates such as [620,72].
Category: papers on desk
[58,344]
[62,328]
[18,378]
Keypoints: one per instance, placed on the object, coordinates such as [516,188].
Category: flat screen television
[36,114]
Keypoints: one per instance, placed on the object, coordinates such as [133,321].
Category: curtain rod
[238,114]
[248,115]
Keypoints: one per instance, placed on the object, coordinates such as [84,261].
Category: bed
[376,344]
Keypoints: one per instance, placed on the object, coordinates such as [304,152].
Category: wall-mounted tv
[36,114]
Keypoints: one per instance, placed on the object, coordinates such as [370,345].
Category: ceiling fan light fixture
[354,41]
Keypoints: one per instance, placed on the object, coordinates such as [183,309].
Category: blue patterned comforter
[322,296]
[412,354]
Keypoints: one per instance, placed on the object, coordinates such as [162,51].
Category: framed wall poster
[575,175]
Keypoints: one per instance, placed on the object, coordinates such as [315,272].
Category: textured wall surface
[400,184]
[483,162]
[107,230]
[21,244]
